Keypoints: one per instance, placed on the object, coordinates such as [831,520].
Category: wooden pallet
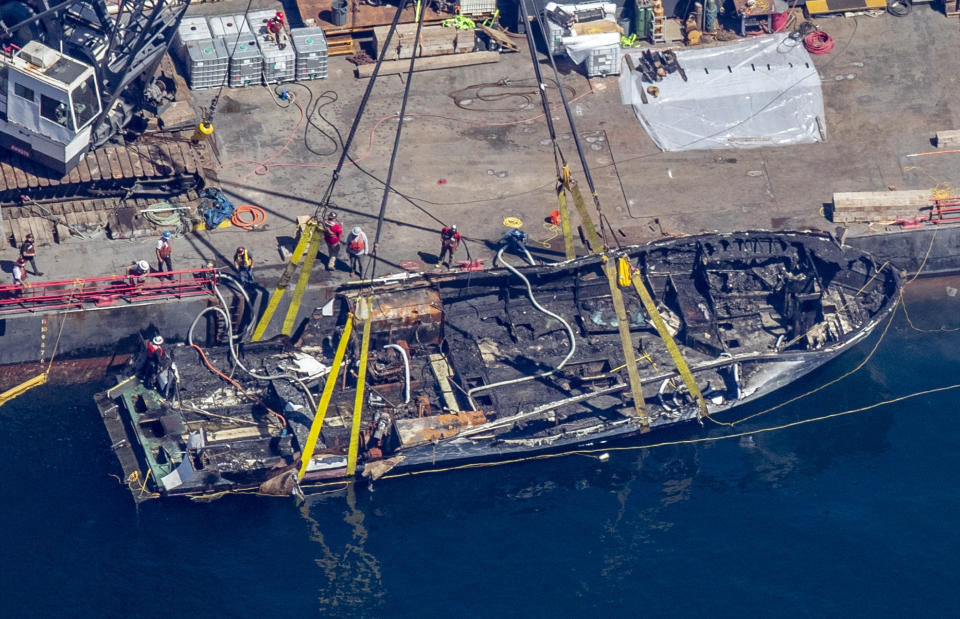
[502,37]
[951,8]
[340,45]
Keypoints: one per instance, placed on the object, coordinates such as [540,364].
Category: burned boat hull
[488,365]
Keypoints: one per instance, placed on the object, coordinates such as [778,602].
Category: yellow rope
[925,257]
[916,328]
[693,441]
[53,354]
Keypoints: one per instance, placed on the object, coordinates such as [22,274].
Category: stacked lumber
[948,139]
[877,206]
[434,41]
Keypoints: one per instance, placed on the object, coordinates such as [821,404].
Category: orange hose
[237,385]
[259,216]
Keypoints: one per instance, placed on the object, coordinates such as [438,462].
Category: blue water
[853,516]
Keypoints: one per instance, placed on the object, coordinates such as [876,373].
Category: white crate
[603,61]
[477,7]
[554,36]
[223,26]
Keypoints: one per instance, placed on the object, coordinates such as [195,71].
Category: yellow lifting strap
[22,388]
[672,348]
[292,311]
[596,245]
[285,277]
[364,313]
[568,249]
[623,324]
[328,387]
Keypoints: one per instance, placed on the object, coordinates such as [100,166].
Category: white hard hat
[357,230]
[144,265]
[157,340]
[453,227]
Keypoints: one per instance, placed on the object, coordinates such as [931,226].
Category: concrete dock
[887,89]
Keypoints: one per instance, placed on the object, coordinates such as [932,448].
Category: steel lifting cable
[396,148]
[560,162]
[573,128]
[236,43]
[324,201]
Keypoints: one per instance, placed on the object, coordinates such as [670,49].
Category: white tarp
[579,47]
[761,92]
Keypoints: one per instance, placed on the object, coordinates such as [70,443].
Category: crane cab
[48,103]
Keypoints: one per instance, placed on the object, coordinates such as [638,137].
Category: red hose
[818,42]
[283,420]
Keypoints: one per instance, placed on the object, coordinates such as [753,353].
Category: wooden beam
[948,139]
[433,62]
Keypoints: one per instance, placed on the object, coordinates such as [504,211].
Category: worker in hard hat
[155,347]
[151,361]
[243,262]
[449,242]
[516,240]
[276,30]
[137,270]
[19,272]
[357,247]
[332,231]
[164,251]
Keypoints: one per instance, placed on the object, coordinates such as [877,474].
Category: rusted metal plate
[410,315]
[428,429]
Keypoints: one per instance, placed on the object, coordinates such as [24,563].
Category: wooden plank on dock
[433,62]
[103,163]
[134,154]
[83,170]
[125,166]
[114,163]
[189,158]
[872,206]
[948,139]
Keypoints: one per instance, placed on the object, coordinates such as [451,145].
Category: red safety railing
[110,291]
[942,211]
